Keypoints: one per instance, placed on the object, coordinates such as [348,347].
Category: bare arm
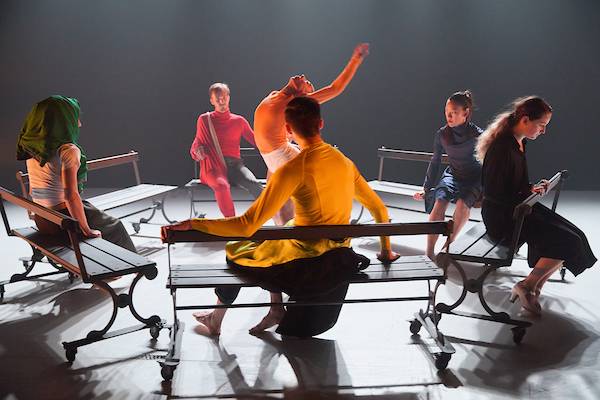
[73,201]
[339,84]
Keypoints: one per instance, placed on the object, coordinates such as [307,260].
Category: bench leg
[168,366]
[154,322]
[476,286]
[445,262]
[429,320]
[29,263]
[119,301]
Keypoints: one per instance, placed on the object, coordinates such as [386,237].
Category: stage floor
[369,354]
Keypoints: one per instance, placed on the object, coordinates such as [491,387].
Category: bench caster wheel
[154,331]
[518,334]
[415,326]
[136,226]
[70,354]
[563,272]
[166,371]
[441,360]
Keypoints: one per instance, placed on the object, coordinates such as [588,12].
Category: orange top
[269,118]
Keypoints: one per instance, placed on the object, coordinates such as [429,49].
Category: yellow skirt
[274,252]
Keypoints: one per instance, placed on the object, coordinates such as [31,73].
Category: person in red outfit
[217,149]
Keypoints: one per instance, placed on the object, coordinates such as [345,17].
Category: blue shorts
[450,189]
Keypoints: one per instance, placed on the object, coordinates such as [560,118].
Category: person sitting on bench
[551,240]
[57,170]
[217,148]
[461,181]
[321,182]
[272,138]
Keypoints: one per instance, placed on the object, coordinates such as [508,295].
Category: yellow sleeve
[280,186]
[368,198]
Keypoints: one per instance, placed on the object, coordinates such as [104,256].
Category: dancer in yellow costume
[322,183]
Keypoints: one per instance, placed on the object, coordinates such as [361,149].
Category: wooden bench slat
[121,194]
[486,247]
[364,277]
[404,262]
[100,257]
[467,239]
[119,252]
[60,253]
[394,188]
[390,276]
[128,195]
[376,271]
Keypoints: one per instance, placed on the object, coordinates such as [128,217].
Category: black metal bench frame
[93,259]
[493,255]
[422,269]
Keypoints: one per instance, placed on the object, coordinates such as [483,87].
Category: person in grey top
[460,182]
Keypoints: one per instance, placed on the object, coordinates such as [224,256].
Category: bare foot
[206,320]
[273,318]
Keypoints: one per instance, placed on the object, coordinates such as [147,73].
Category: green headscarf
[50,124]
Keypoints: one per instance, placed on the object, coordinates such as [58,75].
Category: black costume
[505,181]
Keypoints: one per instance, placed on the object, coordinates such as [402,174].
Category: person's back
[326,185]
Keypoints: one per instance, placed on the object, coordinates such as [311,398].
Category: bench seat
[403,189]
[409,268]
[102,259]
[476,245]
[128,195]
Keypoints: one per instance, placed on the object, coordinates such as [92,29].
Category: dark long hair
[533,107]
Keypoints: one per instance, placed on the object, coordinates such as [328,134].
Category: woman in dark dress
[552,241]
[461,181]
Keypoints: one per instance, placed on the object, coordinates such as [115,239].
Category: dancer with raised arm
[321,182]
[269,121]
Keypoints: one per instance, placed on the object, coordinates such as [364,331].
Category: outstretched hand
[361,51]
[181,226]
[419,195]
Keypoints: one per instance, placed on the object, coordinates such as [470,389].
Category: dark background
[141,70]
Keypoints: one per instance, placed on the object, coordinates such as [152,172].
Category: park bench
[407,268]
[123,197]
[476,246]
[94,259]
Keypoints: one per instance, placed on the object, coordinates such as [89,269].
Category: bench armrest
[62,220]
[535,197]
